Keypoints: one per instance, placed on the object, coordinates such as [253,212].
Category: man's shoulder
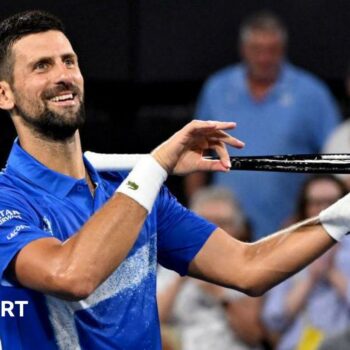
[9,192]
[8,188]
[12,193]
[227,74]
[305,79]
[15,203]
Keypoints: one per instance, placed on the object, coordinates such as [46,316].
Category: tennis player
[78,248]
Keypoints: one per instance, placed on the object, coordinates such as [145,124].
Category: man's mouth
[66,99]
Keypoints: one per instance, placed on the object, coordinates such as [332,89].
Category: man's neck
[62,157]
[260,88]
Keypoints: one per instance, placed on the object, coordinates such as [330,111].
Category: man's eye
[69,62]
[41,66]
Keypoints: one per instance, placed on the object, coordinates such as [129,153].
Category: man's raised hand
[183,152]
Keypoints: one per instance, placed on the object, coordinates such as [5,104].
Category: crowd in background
[280,109]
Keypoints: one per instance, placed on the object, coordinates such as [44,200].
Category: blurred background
[144,61]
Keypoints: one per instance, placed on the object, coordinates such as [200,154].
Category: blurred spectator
[279,109]
[340,341]
[314,304]
[339,139]
[207,316]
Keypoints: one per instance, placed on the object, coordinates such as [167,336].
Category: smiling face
[47,85]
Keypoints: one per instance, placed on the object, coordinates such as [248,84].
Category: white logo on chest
[47,226]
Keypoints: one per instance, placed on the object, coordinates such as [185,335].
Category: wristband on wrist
[336,218]
[144,182]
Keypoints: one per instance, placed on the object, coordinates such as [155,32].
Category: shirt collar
[280,83]
[28,168]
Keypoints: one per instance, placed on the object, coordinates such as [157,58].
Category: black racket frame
[334,163]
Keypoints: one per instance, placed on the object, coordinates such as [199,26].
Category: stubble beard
[49,124]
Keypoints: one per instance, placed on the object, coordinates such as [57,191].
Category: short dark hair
[264,21]
[19,25]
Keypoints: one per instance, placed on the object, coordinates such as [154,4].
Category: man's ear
[7,101]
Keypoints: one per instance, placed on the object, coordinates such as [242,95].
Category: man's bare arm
[255,267]
[74,268]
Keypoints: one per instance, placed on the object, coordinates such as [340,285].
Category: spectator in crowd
[339,341]
[339,139]
[314,304]
[279,108]
[204,315]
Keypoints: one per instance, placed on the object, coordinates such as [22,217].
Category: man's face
[320,194]
[263,52]
[220,213]
[47,85]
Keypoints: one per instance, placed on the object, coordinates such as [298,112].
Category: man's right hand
[183,152]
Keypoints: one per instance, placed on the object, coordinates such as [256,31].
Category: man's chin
[56,125]
[265,77]
[65,112]
[69,115]
[60,133]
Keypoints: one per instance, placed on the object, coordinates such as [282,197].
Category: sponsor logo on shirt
[47,226]
[286,99]
[8,308]
[6,215]
[15,232]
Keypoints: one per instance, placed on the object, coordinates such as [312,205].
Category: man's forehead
[216,208]
[46,44]
[264,35]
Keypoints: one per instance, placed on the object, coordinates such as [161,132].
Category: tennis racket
[300,163]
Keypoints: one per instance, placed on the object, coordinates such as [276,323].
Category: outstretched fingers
[223,136]
[209,125]
[224,158]
[214,130]
[184,149]
[217,139]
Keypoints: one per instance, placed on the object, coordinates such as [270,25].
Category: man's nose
[63,74]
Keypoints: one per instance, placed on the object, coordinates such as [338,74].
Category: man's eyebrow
[51,58]
[70,55]
[40,59]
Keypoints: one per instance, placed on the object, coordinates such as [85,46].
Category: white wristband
[336,218]
[113,162]
[144,182]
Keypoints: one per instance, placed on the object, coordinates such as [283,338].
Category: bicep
[19,228]
[36,263]
[221,260]
[256,267]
